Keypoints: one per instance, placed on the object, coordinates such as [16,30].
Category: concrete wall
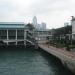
[70,64]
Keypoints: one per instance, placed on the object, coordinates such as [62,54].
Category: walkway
[66,57]
[58,52]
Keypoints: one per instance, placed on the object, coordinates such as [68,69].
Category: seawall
[66,57]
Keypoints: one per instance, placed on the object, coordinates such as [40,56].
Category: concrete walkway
[66,57]
[58,52]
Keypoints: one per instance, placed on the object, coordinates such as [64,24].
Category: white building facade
[73,27]
[35,21]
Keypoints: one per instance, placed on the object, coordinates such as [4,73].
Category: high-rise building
[43,26]
[35,21]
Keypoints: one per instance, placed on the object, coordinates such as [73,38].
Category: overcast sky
[54,12]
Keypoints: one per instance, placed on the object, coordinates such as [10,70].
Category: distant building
[43,26]
[66,24]
[42,35]
[38,26]
[35,21]
[73,27]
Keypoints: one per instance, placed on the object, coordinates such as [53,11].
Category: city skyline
[53,12]
[41,26]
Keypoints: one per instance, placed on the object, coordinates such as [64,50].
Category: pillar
[25,38]
[7,37]
[39,36]
[60,37]
[16,36]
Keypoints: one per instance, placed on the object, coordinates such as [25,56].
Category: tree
[30,26]
[48,40]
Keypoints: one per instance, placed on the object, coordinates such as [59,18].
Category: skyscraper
[43,26]
[35,21]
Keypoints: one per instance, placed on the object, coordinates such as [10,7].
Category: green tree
[30,27]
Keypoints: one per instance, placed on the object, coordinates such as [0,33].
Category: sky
[53,12]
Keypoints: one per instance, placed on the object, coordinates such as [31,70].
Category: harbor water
[29,61]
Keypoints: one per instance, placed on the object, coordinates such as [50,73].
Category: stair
[31,39]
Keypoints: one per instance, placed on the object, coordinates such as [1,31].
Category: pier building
[41,36]
[11,33]
[18,33]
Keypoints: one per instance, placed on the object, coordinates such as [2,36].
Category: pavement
[61,51]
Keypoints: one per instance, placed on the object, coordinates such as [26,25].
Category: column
[38,36]
[16,36]
[0,35]
[69,36]
[25,38]
[7,37]
[60,37]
